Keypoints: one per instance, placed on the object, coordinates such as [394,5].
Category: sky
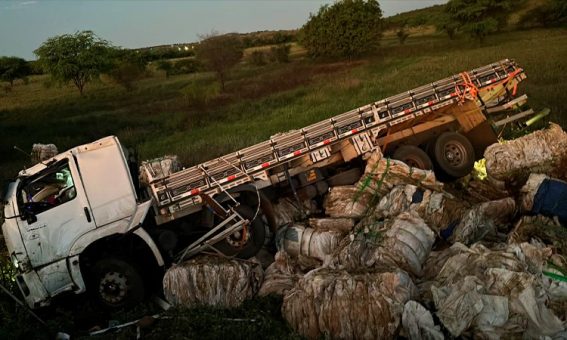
[25,24]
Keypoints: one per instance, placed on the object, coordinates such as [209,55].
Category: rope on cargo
[470,88]
[365,183]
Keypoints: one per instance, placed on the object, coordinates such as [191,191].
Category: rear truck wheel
[454,154]
[116,283]
[413,156]
[249,240]
[347,177]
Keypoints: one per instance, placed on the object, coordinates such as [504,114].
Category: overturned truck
[91,219]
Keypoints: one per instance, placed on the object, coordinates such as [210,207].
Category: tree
[479,18]
[129,66]
[75,57]
[12,68]
[219,53]
[346,29]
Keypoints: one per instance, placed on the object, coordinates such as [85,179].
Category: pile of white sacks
[398,255]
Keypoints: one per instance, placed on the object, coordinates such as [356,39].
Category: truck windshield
[48,189]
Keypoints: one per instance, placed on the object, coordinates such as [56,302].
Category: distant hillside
[419,17]
[429,16]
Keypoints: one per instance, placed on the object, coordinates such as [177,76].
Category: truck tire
[346,177]
[413,156]
[115,283]
[233,244]
[454,155]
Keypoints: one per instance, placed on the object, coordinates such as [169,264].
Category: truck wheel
[413,156]
[347,177]
[454,154]
[116,283]
[245,244]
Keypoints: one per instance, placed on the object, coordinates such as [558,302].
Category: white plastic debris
[418,323]
[346,202]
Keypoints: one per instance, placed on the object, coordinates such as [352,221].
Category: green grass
[159,118]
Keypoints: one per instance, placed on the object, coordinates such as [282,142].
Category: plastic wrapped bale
[346,202]
[43,152]
[545,196]
[403,242]
[418,323]
[495,292]
[297,240]
[483,219]
[382,174]
[159,168]
[288,211]
[340,225]
[543,151]
[212,281]
[281,275]
[542,228]
[439,210]
[342,305]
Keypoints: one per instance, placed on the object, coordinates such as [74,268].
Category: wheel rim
[455,154]
[238,239]
[113,287]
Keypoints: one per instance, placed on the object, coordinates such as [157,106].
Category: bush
[257,58]
[346,29]
[280,53]
[199,94]
[186,66]
[166,66]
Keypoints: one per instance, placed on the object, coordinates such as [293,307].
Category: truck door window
[50,188]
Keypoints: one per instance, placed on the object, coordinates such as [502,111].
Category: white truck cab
[57,208]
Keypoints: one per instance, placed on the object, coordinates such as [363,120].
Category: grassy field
[161,116]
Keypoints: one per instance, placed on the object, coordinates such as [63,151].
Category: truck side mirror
[31,218]
[28,216]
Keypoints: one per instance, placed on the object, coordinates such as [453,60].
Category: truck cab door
[56,212]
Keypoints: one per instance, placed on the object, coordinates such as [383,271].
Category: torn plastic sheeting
[545,196]
[43,152]
[212,281]
[342,305]
[346,202]
[298,240]
[281,276]
[462,304]
[524,292]
[418,323]
[447,215]
[382,174]
[482,219]
[287,211]
[476,259]
[439,210]
[542,151]
[403,242]
[465,288]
